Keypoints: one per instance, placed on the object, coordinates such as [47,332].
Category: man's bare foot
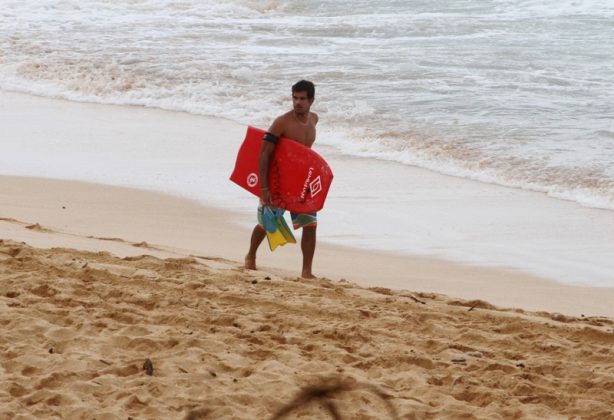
[250,262]
[308,275]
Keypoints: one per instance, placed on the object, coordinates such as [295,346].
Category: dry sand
[95,281]
[78,328]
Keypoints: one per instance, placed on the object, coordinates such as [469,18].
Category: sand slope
[77,328]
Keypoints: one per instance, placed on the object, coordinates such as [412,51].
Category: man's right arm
[268,147]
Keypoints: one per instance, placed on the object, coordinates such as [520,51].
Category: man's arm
[268,147]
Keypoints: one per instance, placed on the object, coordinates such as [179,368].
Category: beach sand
[98,280]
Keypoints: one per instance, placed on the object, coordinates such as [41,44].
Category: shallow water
[510,92]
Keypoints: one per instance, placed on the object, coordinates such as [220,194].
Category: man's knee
[309,232]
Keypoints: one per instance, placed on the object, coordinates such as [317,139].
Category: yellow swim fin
[282,235]
[285,230]
[275,239]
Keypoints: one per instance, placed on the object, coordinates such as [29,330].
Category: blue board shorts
[299,220]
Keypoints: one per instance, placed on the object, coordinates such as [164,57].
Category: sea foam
[507,92]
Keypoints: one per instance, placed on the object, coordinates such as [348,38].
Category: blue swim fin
[269,219]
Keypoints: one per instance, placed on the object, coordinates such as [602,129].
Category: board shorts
[299,220]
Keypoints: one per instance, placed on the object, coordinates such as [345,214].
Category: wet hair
[305,86]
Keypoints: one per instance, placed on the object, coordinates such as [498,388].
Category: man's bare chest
[305,135]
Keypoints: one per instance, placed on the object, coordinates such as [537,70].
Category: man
[299,125]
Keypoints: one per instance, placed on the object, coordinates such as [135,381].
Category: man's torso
[304,133]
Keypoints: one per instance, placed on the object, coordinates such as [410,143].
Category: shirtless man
[299,125]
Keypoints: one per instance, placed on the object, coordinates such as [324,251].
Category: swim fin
[269,219]
[281,234]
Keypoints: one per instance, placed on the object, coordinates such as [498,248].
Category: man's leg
[308,246]
[258,235]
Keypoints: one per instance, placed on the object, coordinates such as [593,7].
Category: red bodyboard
[299,178]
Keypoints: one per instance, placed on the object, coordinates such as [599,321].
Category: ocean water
[511,92]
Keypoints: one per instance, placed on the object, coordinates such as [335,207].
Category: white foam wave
[591,188]
[477,90]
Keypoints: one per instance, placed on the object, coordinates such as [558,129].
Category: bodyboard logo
[306,185]
[315,186]
[252,180]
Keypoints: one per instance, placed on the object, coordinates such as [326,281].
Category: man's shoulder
[279,125]
[288,116]
[283,119]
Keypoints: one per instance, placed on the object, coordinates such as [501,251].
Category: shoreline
[75,214]
[428,215]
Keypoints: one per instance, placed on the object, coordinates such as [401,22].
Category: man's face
[300,102]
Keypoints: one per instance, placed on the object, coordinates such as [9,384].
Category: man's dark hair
[305,86]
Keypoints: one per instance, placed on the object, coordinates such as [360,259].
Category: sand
[75,211]
[79,327]
[110,312]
